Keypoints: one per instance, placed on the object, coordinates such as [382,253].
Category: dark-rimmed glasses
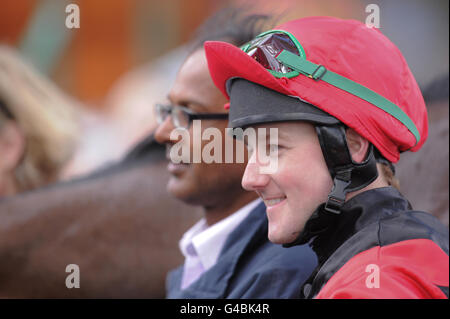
[182,117]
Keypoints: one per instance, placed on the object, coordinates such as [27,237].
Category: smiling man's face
[299,185]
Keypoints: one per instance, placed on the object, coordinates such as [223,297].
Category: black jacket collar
[325,231]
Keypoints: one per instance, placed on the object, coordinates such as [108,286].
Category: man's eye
[272,148]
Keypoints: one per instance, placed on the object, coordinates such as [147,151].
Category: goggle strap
[319,72]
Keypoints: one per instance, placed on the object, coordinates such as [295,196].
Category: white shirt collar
[206,243]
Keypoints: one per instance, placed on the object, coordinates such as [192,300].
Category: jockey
[345,105]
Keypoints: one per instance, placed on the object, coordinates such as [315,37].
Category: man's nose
[162,133]
[253,179]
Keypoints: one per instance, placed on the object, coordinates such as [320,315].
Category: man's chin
[179,179]
[281,239]
[182,190]
[175,186]
[275,238]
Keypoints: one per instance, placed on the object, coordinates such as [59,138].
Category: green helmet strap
[319,72]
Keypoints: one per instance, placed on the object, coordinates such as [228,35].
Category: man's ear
[357,145]
[12,146]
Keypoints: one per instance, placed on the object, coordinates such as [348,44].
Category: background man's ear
[357,145]
[12,146]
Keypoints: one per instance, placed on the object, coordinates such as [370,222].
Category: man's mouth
[174,168]
[168,152]
[274,200]
[170,160]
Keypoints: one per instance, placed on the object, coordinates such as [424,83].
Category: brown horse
[120,227]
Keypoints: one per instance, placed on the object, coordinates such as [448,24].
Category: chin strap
[317,224]
[347,176]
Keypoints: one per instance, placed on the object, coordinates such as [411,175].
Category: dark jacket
[250,266]
[377,247]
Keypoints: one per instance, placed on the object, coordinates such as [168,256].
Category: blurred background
[125,54]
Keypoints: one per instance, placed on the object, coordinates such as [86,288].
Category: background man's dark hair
[234,25]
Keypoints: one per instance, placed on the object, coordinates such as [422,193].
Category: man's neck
[225,208]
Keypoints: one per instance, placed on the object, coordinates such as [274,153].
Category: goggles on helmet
[280,53]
